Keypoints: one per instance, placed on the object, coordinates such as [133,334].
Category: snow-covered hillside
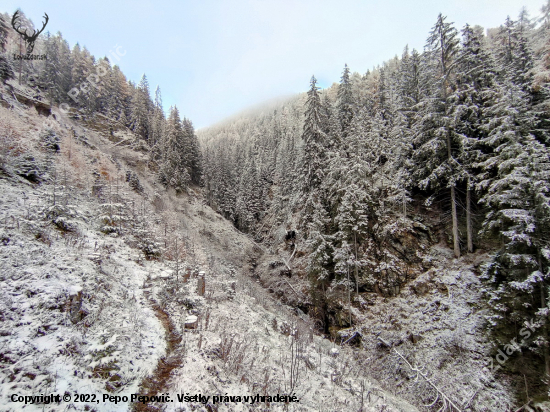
[94,297]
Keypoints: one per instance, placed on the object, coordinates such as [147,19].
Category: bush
[65,225]
[50,141]
[30,168]
[61,216]
[151,249]
[134,182]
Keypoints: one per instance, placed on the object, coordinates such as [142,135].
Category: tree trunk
[445,73]
[404,205]
[54,184]
[349,299]
[545,334]
[65,185]
[469,219]
[546,352]
[21,60]
[455,223]
[456,242]
[356,270]
[177,262]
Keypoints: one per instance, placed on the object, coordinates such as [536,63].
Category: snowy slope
[92,299]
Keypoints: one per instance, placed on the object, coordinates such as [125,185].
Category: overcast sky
[215,58]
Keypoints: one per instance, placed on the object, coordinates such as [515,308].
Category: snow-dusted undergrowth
[42,272]
[86,264]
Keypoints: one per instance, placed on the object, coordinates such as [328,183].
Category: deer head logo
[29,40]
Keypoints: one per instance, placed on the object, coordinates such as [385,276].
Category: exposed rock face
[23,95]
[41,106]
[423,283]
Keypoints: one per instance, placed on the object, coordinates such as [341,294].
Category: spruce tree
[105,87]
[121,97]
[320,246]
[436,146]
[80,67]
[56,76]
[64,75]
[142,108]
[4,30]
[345,101]
[173,170]
[158,125]
[410,85]
[513,54]
[315,141]
[193,152]
[474,95]
[519,200]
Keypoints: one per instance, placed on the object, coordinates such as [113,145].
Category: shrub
[50,141]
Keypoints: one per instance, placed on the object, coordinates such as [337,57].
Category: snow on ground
[80,302]
[247,343]
[41,273]
[437,323]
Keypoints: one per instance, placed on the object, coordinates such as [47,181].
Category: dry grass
[11,135]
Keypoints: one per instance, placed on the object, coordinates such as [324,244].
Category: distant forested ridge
[458,132]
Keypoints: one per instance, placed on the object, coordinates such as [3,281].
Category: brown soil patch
[155,384]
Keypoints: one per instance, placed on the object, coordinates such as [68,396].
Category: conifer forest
[381,244]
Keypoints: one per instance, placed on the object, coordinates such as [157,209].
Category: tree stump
[97,190]
[186,275]
[76,311]
[191,322]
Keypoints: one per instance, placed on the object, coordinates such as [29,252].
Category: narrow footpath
[155,384]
